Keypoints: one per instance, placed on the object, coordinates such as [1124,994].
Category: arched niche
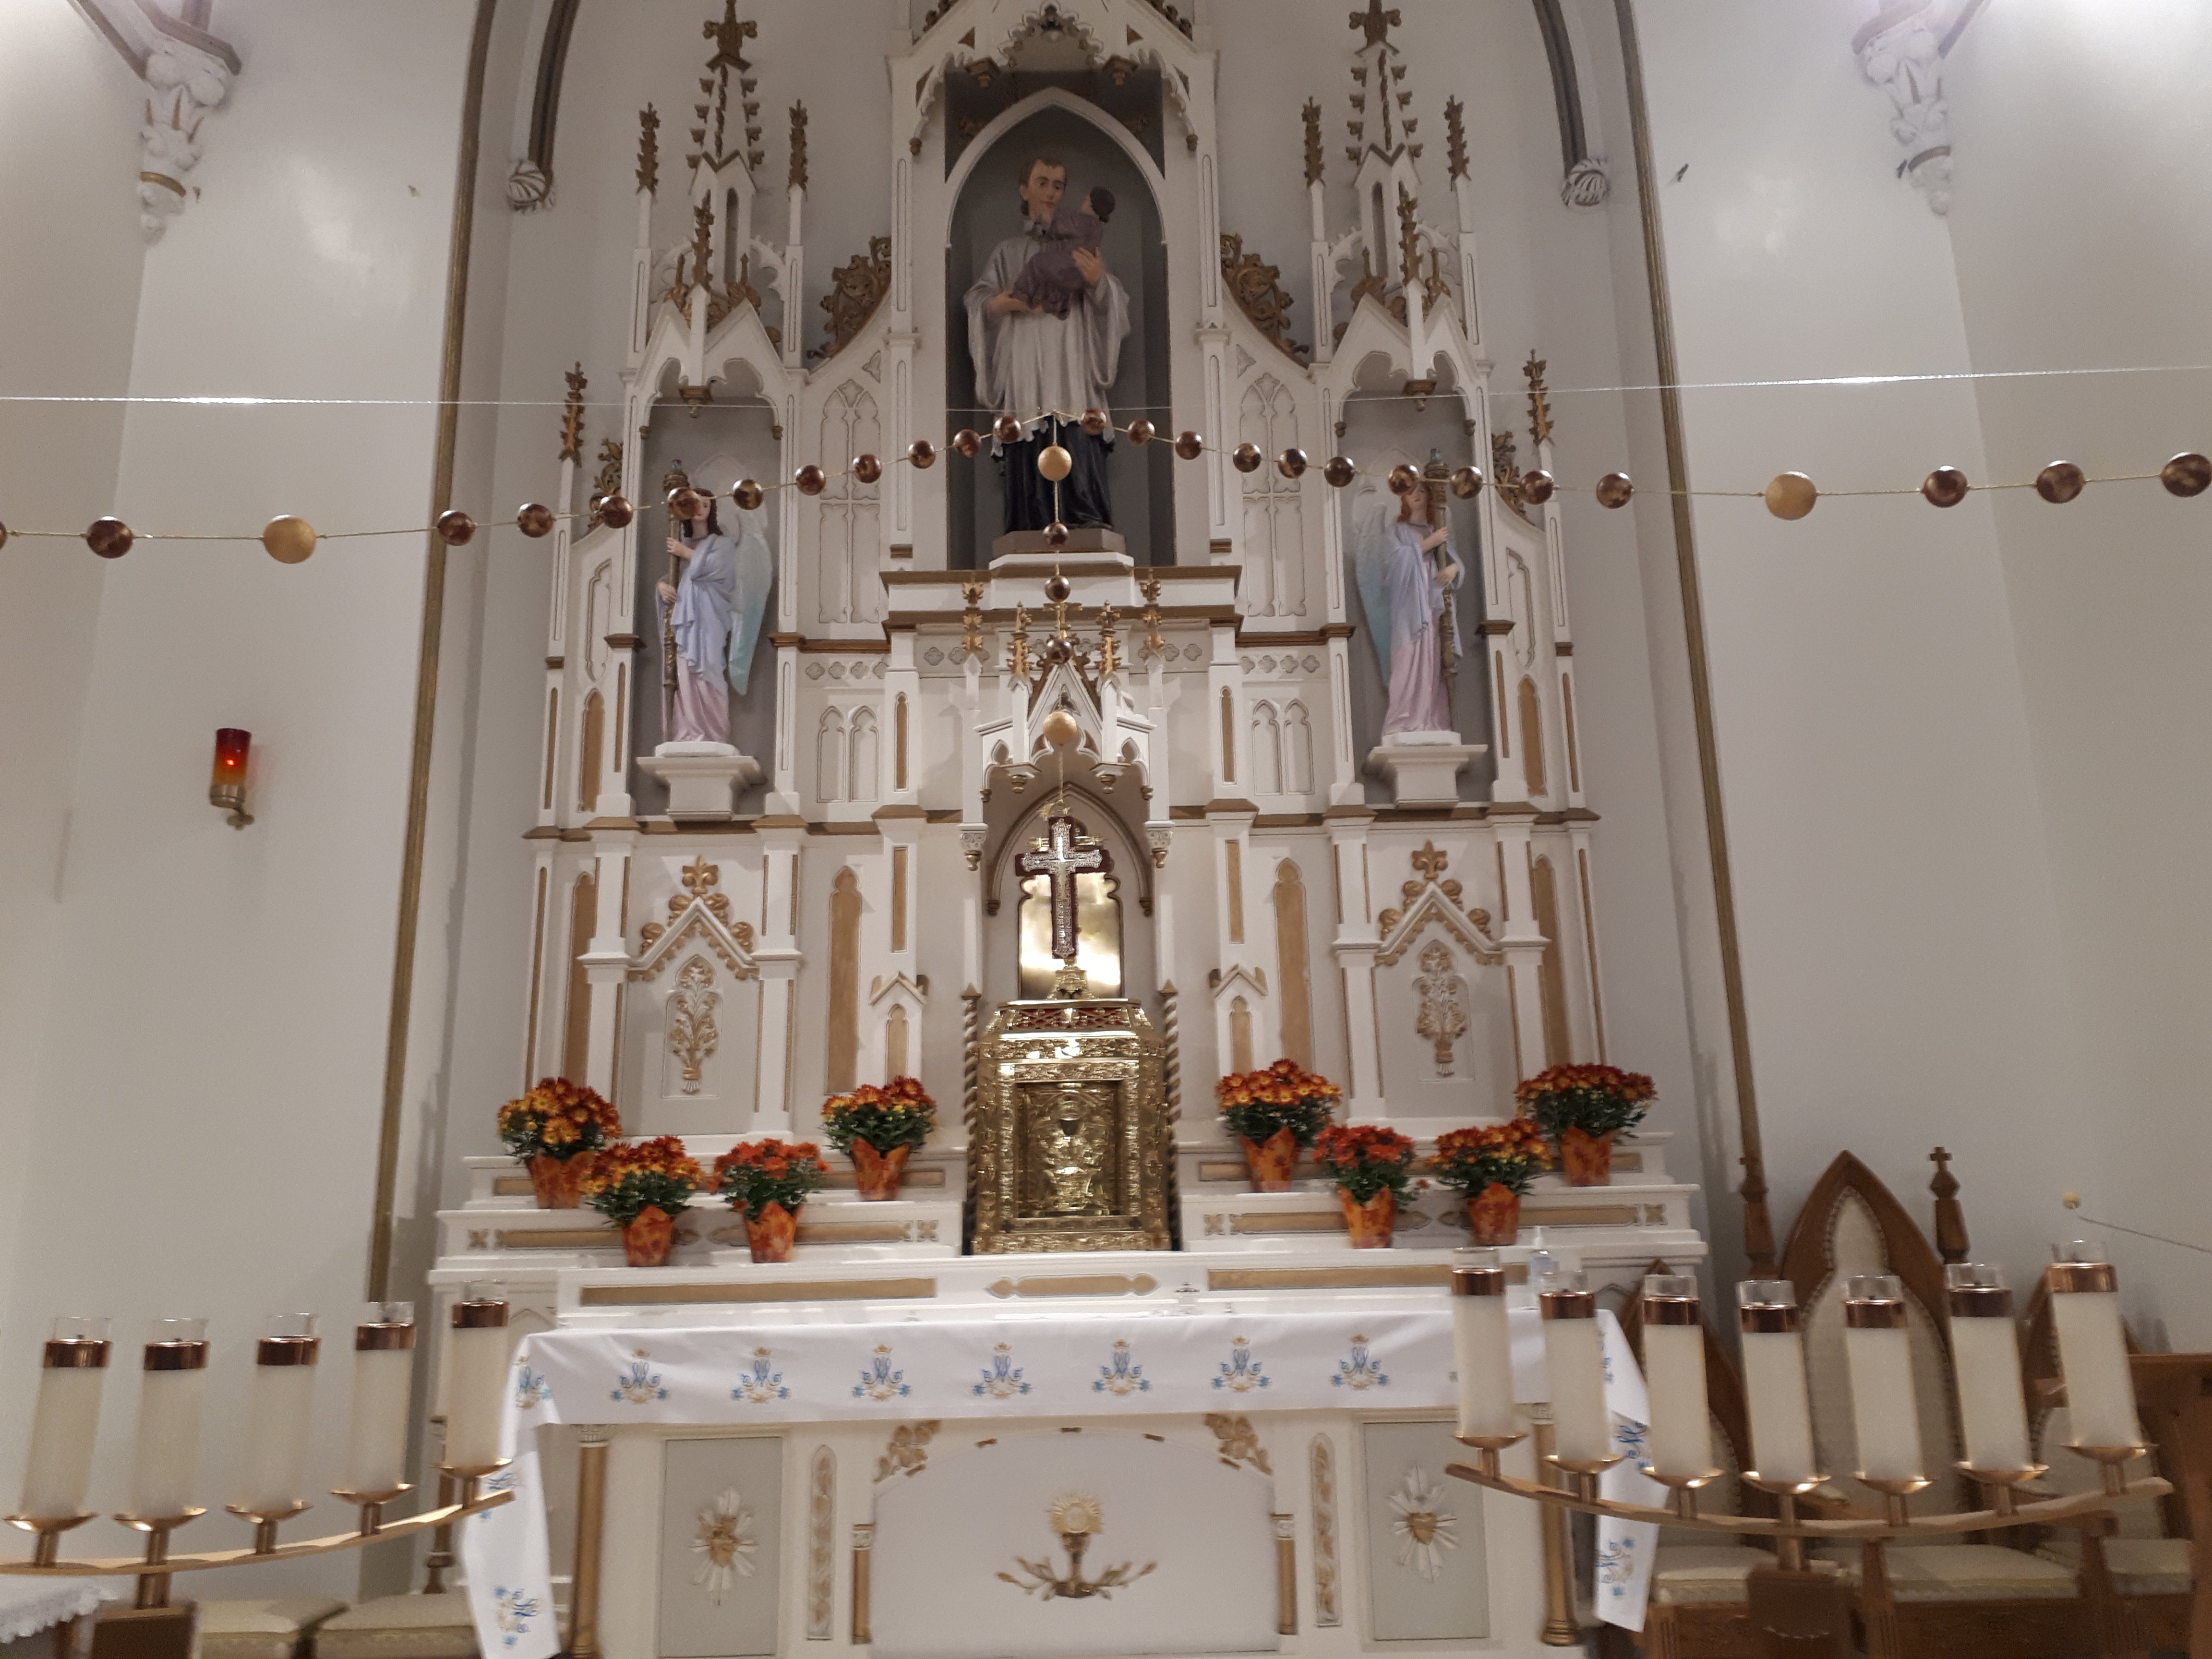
[1017,820]
[982,181]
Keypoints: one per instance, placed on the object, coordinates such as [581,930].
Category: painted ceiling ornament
[724,1546]
[1423,1526]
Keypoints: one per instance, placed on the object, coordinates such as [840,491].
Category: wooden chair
[2136,1567]
[1952,1598]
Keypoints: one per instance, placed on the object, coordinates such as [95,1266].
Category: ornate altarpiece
[1071,1148]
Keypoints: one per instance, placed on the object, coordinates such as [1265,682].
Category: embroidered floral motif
[724,1545]
[1360,1371]
[1426,1528]
[1629,1438]
[1240,1373]
[1616,1567]
[639,1384]
[760,1384]
[513,1610]
[878,1381]
[1002,1379]
[530,1389]
[1119,1375]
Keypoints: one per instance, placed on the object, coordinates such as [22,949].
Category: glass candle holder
[1681,1441]
[282,1405]
[1482,1351]
[65,1422]
[2092,1345]
[383,1383]
[171,1391]
[1878,1356]
[1774,1380]
[1986,1352]
[475,1377]
[1574,1358]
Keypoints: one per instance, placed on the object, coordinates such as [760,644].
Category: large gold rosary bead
[1060,729]
[1054,462]
[109,538]
[289,538]
[1790,495]
[1614,490]
[2059,483]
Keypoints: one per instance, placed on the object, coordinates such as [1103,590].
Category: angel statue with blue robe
[1406,595]
[717,603]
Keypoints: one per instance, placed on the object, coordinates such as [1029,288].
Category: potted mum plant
[641,1189]
[1490,1168]
[1273,1114]
[554,1131]
[878,1130]
[768,1180]
[1370,1166]
[1583,1108]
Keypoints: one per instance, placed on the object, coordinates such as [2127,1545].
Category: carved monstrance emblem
[1068,1165]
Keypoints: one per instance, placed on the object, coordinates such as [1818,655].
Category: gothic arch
[1265,746]
[1052,98]
[829,757]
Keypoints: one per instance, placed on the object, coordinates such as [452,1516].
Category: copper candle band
[1567,1304]
[73,1353]
[382,1339]
[479,1316]
[1478,1281]
[176,1356]
[1672,1311]
[2064,1276]
[287,1350]
[1869,1315]
[1768,1319]
[1980,1302]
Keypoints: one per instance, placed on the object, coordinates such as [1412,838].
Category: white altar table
[867,1497]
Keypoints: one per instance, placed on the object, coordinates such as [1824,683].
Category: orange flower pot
[1371,1224]
[1586,1159]
[772,1232]
[1493,1215]
[554,1181]
[646,1240]
[879,1175]
[1271,1161]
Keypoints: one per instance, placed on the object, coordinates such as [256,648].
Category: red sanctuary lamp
[227,785]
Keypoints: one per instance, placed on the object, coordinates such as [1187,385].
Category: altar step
[1311,1216]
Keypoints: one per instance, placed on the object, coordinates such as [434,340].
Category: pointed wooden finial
[1951,1240]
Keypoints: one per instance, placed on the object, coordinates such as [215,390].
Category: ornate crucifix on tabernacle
[1060,856]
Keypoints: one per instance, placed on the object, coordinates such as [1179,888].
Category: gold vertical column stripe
[590,1522]
[898,892]
[1233,853]
[385,1202]
[536,976]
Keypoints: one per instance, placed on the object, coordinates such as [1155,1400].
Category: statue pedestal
[1091,539]
[1423,768]
[702,778]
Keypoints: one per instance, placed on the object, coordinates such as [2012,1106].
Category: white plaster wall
[214,1057]
[69,269]
[2080,231]
[1903,953]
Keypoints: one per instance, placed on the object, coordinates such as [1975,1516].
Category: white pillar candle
[65,1421]
[2092,1347]
[476,1384]
[1774,1381]
[1680,1440]
[383,1382]
[1482,1350]
[164,1460]
[280,1407]
[1986,1352]
[1574,1361]
[1878,1356]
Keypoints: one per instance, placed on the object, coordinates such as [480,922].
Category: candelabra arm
[265,1522]
[1684,1488]
[49,1529]
[2111,1460]
[2002,1486]
[157,1564]
[371,1504]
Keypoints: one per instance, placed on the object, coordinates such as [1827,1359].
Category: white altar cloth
[1089,1364]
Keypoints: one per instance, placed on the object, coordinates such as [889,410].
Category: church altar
[879,1476]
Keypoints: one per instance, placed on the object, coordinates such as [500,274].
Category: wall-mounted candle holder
[227,785]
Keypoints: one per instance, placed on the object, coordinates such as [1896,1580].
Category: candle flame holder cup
[1488,1446]
[1685,1489]
[371,1504]
[1895,1490]
[2111,1460]
[47,1550]
[465,1478]
[2002,1486]
[1585,1471]
[1789,1547]
[265,1522]
[153,1582]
